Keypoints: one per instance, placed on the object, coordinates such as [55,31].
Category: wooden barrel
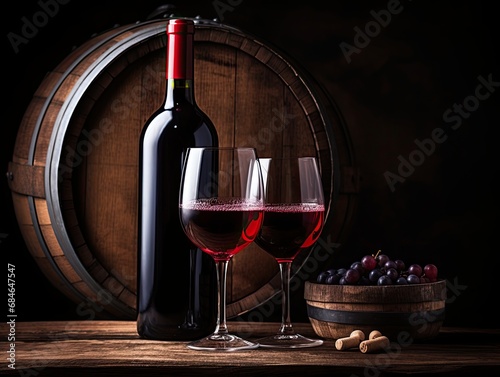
[413,311]
[73,175]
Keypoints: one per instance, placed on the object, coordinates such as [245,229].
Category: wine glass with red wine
[293,221]
[221,210]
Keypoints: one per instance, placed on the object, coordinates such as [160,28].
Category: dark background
[394,90]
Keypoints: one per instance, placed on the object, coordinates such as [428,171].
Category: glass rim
[282,158]
[222,148]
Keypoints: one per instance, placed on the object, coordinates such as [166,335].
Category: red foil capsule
[180,49]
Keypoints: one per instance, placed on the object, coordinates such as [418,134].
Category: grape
[359,267]
[390,264]
[322,277]
[352,276]
[431,272]
[384,280]
[400,265]
[341,271]
[413,279]
[363,280]
[401,280]
[415,269]
[382,259]
[368,262]
[374,275]
[392,273]
[333,279]
[379,270]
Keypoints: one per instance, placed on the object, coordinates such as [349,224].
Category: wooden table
[112,348]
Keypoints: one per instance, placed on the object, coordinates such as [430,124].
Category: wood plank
[215,67]
[83,348]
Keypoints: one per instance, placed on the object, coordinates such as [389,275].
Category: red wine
[177,287]
[288,229]
[221,228]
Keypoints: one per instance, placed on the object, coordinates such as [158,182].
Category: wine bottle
[177,292]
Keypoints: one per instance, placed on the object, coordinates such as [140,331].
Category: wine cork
[351,341]
[373,345]
[374,334]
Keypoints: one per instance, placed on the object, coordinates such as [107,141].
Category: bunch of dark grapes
[379,269]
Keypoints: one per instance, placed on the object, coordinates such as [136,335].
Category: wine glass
[293,220]
[221,211]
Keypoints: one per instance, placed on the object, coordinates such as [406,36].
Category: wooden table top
[113,348]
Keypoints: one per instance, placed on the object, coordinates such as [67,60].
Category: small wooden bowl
[413,310]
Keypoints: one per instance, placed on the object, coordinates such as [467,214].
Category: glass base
[288,341]
[218,342]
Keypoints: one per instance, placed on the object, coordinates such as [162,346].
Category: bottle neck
[179,91]
[180,60]
[180,65]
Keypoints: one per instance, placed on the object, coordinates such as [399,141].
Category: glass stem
[221,328]
[286,323]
